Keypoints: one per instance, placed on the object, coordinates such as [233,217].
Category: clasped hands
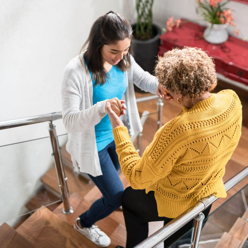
[116,107]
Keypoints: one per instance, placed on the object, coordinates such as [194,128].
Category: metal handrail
[62,179]
[52,116]
[160,105]
[30,120]
[177,223]
[146,98]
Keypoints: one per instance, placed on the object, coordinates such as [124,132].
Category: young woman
[104,73]
[186,160]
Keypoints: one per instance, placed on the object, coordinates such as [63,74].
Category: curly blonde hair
[188,71]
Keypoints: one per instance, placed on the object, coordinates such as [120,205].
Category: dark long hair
[107,29]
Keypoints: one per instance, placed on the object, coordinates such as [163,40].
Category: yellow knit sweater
[186,159]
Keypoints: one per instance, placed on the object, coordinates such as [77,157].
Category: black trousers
[139,209]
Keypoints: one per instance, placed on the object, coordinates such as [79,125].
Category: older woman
[186,160]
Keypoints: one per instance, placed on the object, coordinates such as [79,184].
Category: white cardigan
[80,115]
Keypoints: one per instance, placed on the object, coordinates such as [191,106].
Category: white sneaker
[94,234]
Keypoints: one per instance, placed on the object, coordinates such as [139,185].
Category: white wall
[37,39]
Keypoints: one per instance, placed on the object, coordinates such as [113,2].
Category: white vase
[216,33]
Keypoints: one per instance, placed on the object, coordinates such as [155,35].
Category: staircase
[76,182]
[50,227]
[238,234]
[10,238]
[46,228]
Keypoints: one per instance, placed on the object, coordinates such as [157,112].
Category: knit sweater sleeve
[141,172]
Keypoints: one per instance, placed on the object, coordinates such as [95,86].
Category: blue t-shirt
[115,86]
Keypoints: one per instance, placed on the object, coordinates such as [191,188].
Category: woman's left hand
[160,91]
[164,93]
[113,117]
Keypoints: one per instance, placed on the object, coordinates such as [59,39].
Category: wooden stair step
[93,195]
[240,230]
[45,229]
[10,238]
[113,225]
[79,205]
[114,229]
[76,183]
[65,155]
[44,197]
[83,201]
[21,219]
[228,241]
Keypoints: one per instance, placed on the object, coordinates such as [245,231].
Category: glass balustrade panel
[29,179]
[221,220]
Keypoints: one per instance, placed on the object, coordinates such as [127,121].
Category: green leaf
[144,19]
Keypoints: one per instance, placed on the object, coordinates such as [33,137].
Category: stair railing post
[198,221]
[160,105]
[60,169]
[244,199]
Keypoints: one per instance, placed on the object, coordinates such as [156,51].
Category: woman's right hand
[118,106]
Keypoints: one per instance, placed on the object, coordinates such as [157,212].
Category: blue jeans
[110,186]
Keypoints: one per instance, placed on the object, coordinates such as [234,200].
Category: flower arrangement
[171,23]
[215,12]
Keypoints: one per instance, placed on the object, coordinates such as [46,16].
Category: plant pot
[145,52]
[216,33]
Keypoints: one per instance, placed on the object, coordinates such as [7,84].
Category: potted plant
[145,36]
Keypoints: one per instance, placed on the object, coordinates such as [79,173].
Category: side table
[231,57]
